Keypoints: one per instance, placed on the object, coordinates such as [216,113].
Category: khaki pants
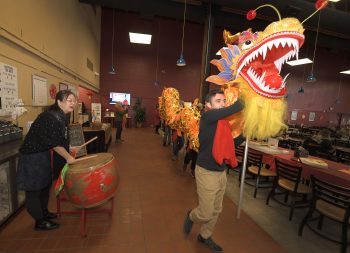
[211,187]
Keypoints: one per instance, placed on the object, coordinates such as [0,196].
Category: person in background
[343,132]
[125,116]
[210,174]
[167,135]
[191,154]
[156,119]
[34,173]
[119,115]
[178,143]
[125,101]
[320,144]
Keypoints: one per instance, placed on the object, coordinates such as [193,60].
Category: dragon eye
[247,44]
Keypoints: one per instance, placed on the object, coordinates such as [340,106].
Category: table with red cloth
[336,173]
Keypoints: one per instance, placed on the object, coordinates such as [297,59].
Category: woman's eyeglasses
[71,101]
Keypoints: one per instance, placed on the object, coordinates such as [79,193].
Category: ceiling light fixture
[140,38]
[299,62]
[181,61]
[112,69]
[156,82]
[345,72]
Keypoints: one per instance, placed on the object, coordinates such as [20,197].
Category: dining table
[331,171]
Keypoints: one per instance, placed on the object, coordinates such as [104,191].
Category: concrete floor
[152,199]
[274,220]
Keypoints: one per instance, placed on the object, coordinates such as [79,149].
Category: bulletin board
[39,91]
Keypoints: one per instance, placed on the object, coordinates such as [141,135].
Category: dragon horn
[229,38]
[319,5]
[252,13]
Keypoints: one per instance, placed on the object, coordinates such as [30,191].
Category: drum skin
[91,182]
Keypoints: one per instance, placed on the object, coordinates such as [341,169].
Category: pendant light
[112,70]
[181,61]
[301,90]
[311,77]
[337,100]
[156,82]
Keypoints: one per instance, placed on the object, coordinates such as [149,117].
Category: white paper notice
[8,88]
[39,91]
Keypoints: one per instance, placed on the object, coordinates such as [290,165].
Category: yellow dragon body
[250,68]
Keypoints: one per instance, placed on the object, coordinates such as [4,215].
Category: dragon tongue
[273,81]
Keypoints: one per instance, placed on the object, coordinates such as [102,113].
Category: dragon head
[262,55]
[251,64]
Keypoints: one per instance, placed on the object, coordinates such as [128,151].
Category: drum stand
[83,211]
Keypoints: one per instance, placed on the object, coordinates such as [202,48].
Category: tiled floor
[152,200]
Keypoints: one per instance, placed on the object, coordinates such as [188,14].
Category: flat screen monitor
[123,98]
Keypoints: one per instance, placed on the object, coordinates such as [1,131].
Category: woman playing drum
[34,174]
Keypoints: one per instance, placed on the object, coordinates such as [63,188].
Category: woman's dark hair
[61,96]
[212,93]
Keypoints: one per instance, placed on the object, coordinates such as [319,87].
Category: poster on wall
[95,112]
[80,108]
[67,86]
[312,116]
[8,88]
[73,89]
[63,86]
[39,91]
[294,115]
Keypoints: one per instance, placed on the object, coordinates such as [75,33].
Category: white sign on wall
[8,88]
[312,116]
[39,91]
[96,112]
[294,115]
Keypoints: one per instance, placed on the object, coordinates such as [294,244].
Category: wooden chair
[257,169]
[343,143]
[288,180]
[239,151]
[333,202]
[342,156]
[239,154]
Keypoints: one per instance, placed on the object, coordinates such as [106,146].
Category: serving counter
[11,200]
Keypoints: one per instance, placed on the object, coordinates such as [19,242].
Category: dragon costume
[249,70]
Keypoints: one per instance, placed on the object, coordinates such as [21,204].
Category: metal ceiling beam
[230,14]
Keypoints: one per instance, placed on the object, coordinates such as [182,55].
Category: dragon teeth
[264,50]
[292,43]
[260,81]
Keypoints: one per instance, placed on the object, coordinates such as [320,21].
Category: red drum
[93,181]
